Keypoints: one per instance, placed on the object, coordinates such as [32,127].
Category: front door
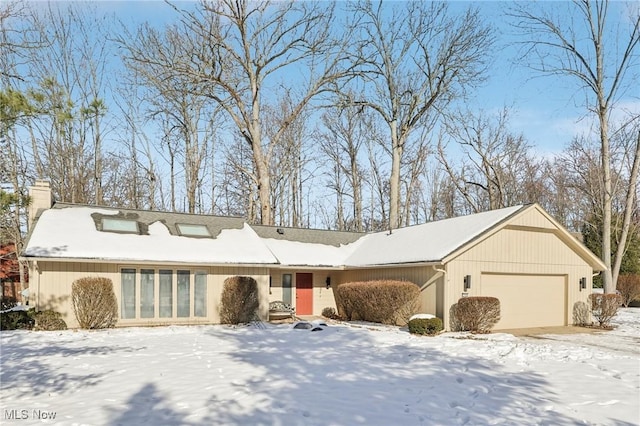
[304,294]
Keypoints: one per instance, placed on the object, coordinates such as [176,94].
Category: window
[147,287]
[200,294]
[286,288]
[183,294]
[166,294]
[193,230]
[119,225]
[128,299]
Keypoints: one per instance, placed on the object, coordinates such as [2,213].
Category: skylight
[190,230]
[119,225]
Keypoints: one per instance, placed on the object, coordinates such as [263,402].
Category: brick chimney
[41,199]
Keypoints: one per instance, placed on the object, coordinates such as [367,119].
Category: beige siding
[533,218]
[429,280]
[322,297]
[51,288]
[50,284]
[512,251]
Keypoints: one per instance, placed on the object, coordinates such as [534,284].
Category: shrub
[581,314]
[7,303]
[428,326]
[17,320]
[454,324]
[629,288]
[239,302]
[385,301]
[49,320]
[330,313]
[604,307]
[477,314]
[94,302]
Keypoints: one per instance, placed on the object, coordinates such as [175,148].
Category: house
[169,268]
[10,272]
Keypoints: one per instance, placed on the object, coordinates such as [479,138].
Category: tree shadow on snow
[147,406]
[309,378]
[37,368]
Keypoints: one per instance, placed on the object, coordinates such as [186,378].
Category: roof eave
[144,262]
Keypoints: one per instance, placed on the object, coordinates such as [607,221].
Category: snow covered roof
[75,232]
[71,232]
[429,242]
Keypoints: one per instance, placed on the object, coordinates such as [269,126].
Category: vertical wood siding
[525,252]
[51,288]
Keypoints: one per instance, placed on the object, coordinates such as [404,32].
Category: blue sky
[548,111]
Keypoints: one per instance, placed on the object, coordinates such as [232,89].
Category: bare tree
[67,75]
[497,169]
[344,133]
[583,45]
[237,51]
[415,59]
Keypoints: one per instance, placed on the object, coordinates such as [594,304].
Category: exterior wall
[322,297]
[51,289]
[430,281]
[518,251]
[533,218]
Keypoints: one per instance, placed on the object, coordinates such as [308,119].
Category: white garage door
[527,300]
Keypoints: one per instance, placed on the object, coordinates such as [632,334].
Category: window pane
[286,288]
[119,225]
[146,293]
[128,293]
[193,230]
[183,294]
[166,294]
[200,295]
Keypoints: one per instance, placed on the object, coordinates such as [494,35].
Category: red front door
[304,294]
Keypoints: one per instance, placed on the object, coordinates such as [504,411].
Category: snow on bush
[94,302]
[428,326]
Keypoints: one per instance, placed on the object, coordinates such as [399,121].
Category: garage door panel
[527,300]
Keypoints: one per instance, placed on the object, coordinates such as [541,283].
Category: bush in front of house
[581,315]
[425,326]
[94,302]
[330,313]
[17,320]
[629,288]
[604,307]
[239,303]
[475,314]
[7,303]
[49,320]
[383,301]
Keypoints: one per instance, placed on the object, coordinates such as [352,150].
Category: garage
[528,300]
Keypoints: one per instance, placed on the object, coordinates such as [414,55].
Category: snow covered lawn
[343,375]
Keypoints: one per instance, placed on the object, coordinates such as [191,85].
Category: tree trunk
[628,209]
[394,181]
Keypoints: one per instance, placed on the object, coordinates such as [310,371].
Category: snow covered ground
[342,375]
